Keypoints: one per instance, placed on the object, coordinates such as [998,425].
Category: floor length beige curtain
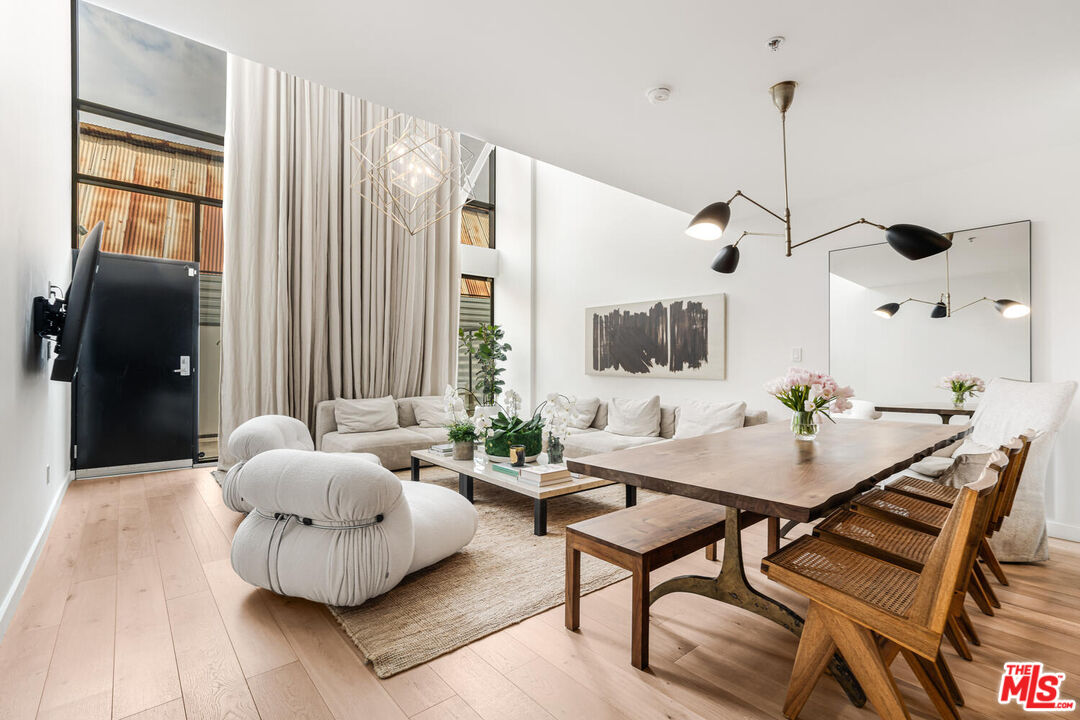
[323,296]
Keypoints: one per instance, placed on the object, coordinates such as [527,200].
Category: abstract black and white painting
[677,338]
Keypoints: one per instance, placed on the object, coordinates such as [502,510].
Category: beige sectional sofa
[595,439]
[391,446]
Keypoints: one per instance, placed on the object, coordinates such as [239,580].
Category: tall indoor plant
[485,349]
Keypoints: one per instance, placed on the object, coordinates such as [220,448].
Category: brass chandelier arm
[860,221]
[973,302]
[757,234]
[740,193]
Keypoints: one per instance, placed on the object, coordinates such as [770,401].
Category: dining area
[892,583]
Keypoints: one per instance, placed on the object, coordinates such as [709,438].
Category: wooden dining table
[763,472]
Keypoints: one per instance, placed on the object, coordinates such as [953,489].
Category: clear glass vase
[958,400]
[804,425]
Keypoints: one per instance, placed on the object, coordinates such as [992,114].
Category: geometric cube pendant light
[409,169]
[912,241]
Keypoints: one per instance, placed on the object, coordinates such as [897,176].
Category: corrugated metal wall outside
[142,224]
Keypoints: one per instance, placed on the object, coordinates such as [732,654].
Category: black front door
[135,390]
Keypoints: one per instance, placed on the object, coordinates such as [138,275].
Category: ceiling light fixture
[1009,309]
[912,241]
[409,168]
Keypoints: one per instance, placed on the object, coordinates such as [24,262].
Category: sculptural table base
[732,587]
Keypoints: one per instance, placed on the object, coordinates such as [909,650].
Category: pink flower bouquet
[963,386]
[808,393]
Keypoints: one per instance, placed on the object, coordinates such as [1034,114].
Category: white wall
[595,245]
[35,208]
[514,283]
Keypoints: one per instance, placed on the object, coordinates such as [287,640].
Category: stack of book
[538,475]
[444,449]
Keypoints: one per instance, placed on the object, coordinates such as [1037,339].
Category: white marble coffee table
[468,472]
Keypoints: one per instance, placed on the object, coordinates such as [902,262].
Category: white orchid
[556,414]
[511,402]
[454,406]
[481,421]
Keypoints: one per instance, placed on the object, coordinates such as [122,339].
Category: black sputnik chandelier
[912,241]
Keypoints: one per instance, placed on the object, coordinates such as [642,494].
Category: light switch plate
[796,354]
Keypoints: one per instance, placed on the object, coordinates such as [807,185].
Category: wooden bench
[640,539]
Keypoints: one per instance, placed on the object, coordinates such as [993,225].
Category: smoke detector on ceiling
[658,95]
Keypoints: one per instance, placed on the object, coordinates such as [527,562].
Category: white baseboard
[1063,531]
[14,593]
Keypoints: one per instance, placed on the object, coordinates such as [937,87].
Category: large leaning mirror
[896,327]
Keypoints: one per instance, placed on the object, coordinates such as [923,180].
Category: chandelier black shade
[939,310]
[916,242]
[887,310]
[709,224]
[726,260]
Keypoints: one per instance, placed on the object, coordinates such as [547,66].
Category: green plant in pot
[463,434]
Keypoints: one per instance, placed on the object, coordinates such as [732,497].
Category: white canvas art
[675,338]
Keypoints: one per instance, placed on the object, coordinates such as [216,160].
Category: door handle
[185,366]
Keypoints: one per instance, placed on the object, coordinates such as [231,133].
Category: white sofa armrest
[325,422]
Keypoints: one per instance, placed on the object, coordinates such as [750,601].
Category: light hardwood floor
[133,611]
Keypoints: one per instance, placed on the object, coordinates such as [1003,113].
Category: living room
[482,351]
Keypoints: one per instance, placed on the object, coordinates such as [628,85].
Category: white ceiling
[888,90]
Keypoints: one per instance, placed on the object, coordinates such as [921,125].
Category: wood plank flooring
[133,611]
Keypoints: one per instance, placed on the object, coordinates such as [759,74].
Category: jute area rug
[505,575]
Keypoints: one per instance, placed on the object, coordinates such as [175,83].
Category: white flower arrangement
[556,414]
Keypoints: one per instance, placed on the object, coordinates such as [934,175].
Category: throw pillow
[933,466]
[634,418]
[430,412]
[584,413]
[698,417]
[366,415]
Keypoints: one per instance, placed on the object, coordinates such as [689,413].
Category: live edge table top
[763,469]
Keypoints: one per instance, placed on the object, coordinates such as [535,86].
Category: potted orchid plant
[809,394]
[963,386]
[556,415]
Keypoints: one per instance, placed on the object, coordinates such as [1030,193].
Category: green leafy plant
[507,430]
[485,347]
[461,431]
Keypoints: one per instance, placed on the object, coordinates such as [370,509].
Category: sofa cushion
[365,414]
[668,419]
[430,412]
[755,417]
[600,421]
[579,431]
[633,417]
[601,441]
[584,412]
[372,441]
[435,435]
[699,417]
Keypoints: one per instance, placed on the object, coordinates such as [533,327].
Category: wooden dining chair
[871,610]
[909,548]
[929,517]
[945,495]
